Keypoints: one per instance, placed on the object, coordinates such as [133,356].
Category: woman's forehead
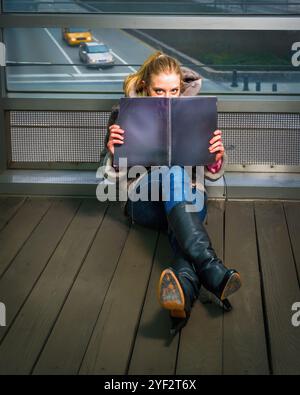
[165,79]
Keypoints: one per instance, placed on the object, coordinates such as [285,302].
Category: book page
[144,121]
[194,119]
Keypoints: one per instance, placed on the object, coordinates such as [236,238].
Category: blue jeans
[173,185]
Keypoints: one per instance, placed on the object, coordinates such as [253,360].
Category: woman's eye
[160,91]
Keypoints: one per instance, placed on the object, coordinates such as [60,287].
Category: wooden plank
[111,344]
[153,352]
[281,288]
[200,349]
[8,207]
[16,232]
[69,339]
[292,210]
[244,342]
[26,338]
[19,279]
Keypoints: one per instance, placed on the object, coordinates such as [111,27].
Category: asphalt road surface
[58,68]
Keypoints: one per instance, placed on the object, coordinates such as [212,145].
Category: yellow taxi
[76,35]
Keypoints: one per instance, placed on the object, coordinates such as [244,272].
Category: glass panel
[51,60]
[228,7]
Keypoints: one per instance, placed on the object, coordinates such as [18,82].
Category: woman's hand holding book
[115,137]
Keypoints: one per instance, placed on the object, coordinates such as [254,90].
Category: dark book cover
[166,131]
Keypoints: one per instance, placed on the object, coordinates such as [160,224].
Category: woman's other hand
[115,137]
[216,145]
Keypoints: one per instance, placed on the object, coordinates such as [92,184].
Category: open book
[166,131]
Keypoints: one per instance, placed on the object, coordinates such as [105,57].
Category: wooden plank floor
[79,283]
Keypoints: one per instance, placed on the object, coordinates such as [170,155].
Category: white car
[96,54]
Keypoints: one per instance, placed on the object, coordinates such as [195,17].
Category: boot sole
[170,294]
[233,284]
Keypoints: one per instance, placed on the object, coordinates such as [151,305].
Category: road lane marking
[8,62]
[38,75]
[119,57]
[101,75]
[71,62]
[124,62]
[62,50]
[69,75]
[60,81]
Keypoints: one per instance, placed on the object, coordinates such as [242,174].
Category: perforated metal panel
[54,136]
[78,137]
[261,138]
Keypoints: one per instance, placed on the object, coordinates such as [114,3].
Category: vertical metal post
[234,82]
[246,83]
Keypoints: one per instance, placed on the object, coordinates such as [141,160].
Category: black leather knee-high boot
[195,243]
[177,291]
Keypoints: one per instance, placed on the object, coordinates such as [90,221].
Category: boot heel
[170,294]
[232,285]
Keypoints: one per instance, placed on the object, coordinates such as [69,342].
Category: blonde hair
[155,64]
